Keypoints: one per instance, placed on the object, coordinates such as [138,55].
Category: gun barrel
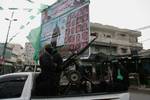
[77,54]
[86,47]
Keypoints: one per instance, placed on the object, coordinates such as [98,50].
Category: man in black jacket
[48,81]
[120,77]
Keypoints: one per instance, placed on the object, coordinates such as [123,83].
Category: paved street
[139,95]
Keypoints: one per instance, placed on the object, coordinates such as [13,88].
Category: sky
[128,14]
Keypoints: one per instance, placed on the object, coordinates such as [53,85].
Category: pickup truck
[19,86]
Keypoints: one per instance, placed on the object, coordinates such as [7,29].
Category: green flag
[29,10]
[1,8]
[30,1]
[22,26]
[27,23]
[32,17]
[42,7]
[34,38]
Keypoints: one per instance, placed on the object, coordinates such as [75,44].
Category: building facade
[13,53]
[29,52]
[17,53]
[144,53]
[8,53]
[13,58]
[114,41]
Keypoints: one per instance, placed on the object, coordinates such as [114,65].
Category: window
[108,36]
[12,86]
[124,50]
[123,35]
[97,49]
[104,35]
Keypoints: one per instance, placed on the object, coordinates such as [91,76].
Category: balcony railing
[105,41]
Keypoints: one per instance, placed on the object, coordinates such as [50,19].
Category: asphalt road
[139,96]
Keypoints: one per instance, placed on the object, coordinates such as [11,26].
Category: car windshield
[11,86]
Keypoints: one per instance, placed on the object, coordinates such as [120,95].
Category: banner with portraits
[66,25]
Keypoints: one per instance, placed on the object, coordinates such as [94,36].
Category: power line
[143,28]
[146,40]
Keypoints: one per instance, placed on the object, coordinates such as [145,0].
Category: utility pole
[5,44]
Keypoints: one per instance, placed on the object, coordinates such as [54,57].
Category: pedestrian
[120,77]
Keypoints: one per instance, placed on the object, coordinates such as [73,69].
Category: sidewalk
[139,89]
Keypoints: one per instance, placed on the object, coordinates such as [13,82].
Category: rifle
[72,57]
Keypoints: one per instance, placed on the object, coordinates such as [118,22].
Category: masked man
[48,81]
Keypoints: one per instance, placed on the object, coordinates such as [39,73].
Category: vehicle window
[12,86]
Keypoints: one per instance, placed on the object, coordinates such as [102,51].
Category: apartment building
[114,41]
[13,53]
[29,51]
[17,53]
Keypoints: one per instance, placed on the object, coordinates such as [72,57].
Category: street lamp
[5,45]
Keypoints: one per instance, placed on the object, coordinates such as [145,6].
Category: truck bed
[89,96]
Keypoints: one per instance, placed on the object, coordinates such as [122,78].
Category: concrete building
[144,53]
[17,53]
[114,41]
[29,51]
[14,58]
[14,52]
[8,53]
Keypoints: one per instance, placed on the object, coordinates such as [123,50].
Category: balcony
[107,41]
[140,45]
